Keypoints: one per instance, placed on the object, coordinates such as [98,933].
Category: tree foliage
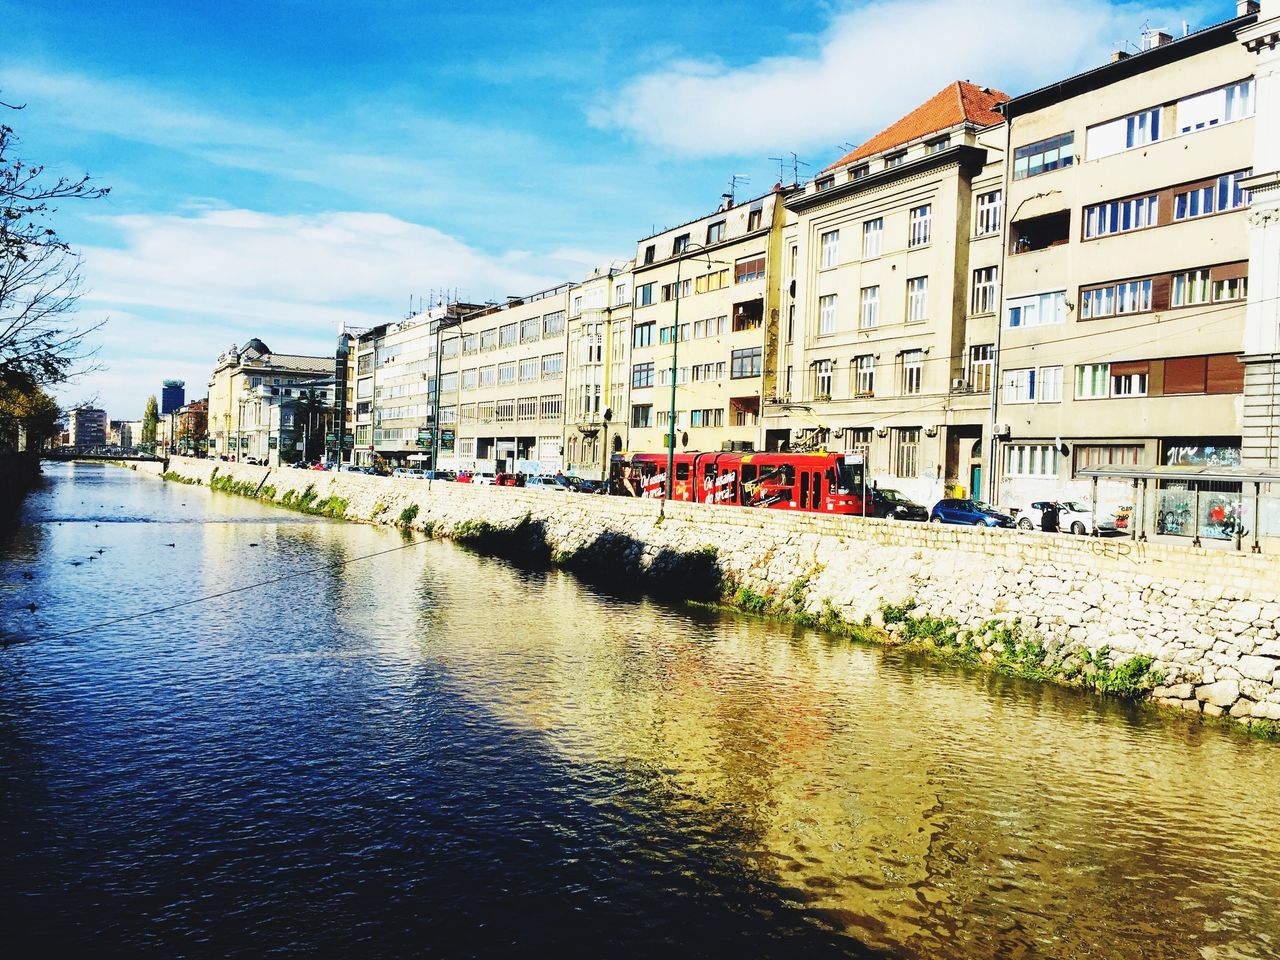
[150,420]
[39,275]
[32,411]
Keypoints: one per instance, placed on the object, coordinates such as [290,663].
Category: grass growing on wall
[306,502]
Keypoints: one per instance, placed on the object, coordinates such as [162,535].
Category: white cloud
[874,63]
[181,288]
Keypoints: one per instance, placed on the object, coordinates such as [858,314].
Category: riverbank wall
[1189,628]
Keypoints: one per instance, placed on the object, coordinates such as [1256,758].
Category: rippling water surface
[425,752]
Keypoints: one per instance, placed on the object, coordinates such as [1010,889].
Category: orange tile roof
[954,104]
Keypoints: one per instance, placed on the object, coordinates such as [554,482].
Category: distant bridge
[101,453]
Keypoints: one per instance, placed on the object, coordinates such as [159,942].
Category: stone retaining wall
[1208,619]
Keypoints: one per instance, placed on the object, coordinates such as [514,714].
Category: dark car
[972,513]
[582,485]
[892,505]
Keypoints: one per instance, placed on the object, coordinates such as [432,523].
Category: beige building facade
[705,310]
[890,296]
[236,394]
[597,382]
[1126,269]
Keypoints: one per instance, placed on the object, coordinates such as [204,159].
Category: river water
[391,747]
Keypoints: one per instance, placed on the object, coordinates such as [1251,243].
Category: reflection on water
[428,751]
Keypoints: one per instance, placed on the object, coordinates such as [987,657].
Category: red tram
[813,482]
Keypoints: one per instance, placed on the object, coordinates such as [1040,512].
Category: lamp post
[675,349]
[607,417]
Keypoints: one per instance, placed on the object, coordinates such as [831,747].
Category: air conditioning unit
[961,385]
[882,431]
[1002,430]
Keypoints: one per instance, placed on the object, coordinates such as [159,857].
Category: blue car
[971,513]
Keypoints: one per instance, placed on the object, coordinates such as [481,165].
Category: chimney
[1246,7]
[1118,55]
[1156,38]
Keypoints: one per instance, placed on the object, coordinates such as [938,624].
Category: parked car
[555,484]
[1073,517]
[889,504]
[408,473]
[438,474]
[582,485]
[973,513]
[482,478]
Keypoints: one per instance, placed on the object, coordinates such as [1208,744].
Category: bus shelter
[1236,506]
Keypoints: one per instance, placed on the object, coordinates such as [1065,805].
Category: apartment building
[87,426]
[597,381]
[890,297]
[1126,267]
[705,321]
[502,389]
[235,391]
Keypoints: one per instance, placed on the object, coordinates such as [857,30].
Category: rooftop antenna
[734,180]
[796,164]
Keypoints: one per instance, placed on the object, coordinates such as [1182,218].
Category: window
[620,294]
[1204,110]
[1045,309]
[715,232]
[529,369]
[1031,460]
[1049,385]
[644,295]
[549,407]
[983,298]
[642,335]
[1235,288]
[906,460]
[869,314]
[912,372]
[642,375]
[1124,133]
[917,299]
[872,238]
[858,442]
[1216,196]
[822,379]
[552,366]
[1120,216]
[990,213]
[642,415]
[650,252]
[827,314]
[553,324]
[716,280]
[1106,455]
[680,244]
[756,214]
[1128,383]
[750,268]
[527,408]
[895,159]
[1190,288]
[507,372]
[1129,296]
[1044,157]
[530,329]
[1092,381]
[488,376]
[469,379]
[824,183]
[470,344]
[936,145]
[982,360]
[508,335]
[860,171]
[672,291]
[1040,233]
[489,339]
[706,418]
[864,376]
[745,363]
[1018,386]
[830,248]
[920,219]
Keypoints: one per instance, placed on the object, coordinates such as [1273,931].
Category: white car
[484,479]
[1073,517]
[554,484]
[408,473]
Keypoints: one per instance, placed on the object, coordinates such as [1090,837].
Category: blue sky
[283,166]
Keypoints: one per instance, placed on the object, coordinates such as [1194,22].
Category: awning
[1209,474]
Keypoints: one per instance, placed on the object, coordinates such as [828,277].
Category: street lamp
[675,348]
[607,417]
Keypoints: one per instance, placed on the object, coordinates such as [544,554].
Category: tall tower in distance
[173,397]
